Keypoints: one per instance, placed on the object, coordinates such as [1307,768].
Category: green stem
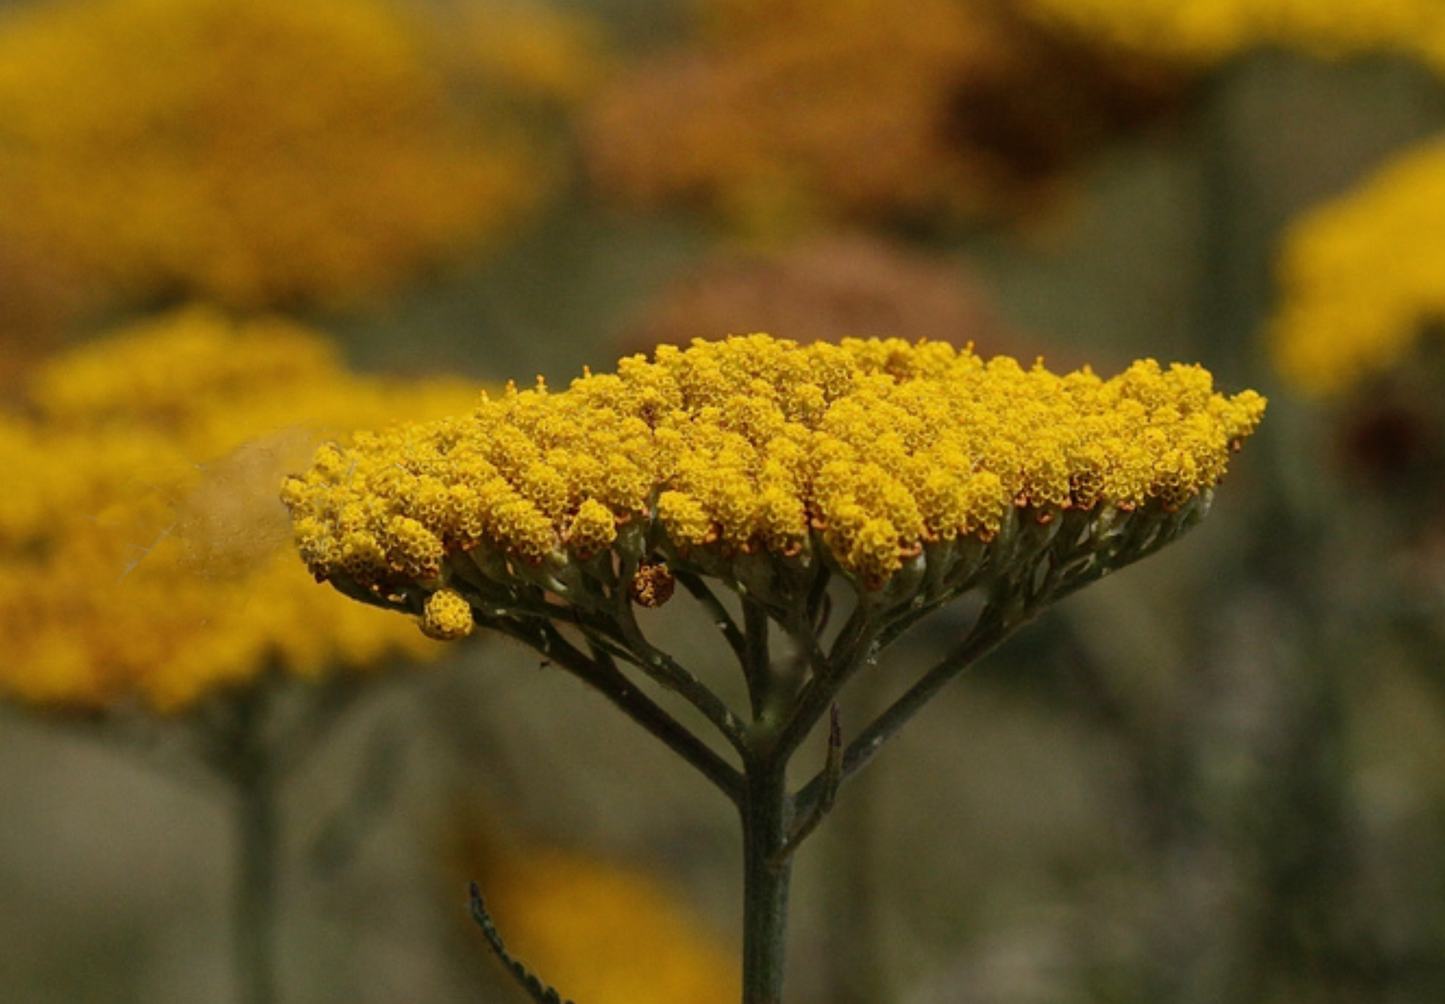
[257,836]
[849,652]
[991,629]
[672,675]
[767,868]
[256,895]
[757,665]
[600,671]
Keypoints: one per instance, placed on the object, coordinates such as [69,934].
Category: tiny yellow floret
[446,616]
[593,529]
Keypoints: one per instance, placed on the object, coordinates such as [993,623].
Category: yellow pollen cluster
[1362,276]
[863,452]
[593,529]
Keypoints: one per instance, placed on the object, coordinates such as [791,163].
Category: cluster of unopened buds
[916,472]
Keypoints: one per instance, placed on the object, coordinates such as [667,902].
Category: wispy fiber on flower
[908,467]
[253,152]
[139,538]
[781,115]
[1363,276]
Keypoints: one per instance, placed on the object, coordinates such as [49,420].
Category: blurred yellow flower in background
[526,54]
[1363,275]
[607,933]
[258,153]
[140,537]
[1209,31]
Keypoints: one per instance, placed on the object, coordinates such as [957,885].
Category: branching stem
[721,618]
[674,676]
[757,664]
[991,628]
[600,670]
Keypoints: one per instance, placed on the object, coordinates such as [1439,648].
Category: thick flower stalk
[816,500]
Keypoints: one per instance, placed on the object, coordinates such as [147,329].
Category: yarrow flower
[257,153]
[910,469]
[139,546]
[912,473]
[1361,276]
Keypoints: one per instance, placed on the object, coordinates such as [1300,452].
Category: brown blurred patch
[826,289]
[782,116]
[1046,98]
[37,300]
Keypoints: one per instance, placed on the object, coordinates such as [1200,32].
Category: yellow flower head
[140,546]
[252,152]
[447,616]
[1362,276]
[907,467]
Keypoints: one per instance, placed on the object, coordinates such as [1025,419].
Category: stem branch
[600,671]
[674,676]
[991,628]
[723,620]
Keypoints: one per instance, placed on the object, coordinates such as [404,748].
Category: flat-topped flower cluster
[862,454]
